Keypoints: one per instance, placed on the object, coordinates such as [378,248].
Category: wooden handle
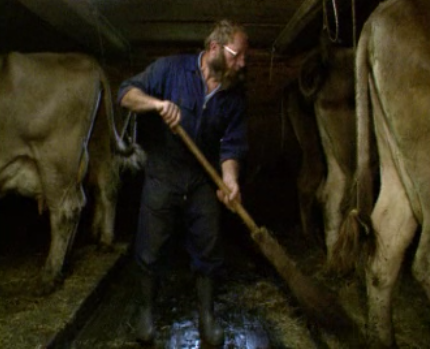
[240,210]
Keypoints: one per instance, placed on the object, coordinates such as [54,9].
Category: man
[202,93]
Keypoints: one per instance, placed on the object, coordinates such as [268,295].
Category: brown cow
[51,129]
[393,82]
[327,136]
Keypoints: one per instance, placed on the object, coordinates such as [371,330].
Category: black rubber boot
[145,330]
[210,331]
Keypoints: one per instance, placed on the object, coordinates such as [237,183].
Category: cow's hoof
[46,287]
[375,344]
[106,248]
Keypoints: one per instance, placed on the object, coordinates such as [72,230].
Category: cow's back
[35,87]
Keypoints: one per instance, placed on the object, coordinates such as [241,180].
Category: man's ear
[213,45]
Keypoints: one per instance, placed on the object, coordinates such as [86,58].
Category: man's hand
[234,196]
[230,173]
[170,113]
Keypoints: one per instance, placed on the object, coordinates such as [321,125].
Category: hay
[28,321]
[275,307]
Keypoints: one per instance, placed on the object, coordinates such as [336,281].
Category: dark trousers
[164,205]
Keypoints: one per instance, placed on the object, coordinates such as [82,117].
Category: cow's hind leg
[64,221]
[309,179]
[421,264]
[333,195]
[394,226]
[105,181]
[104,216]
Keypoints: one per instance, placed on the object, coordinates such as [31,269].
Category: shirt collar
[199,64]
[199,60]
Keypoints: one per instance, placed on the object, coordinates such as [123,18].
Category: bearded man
[203,93]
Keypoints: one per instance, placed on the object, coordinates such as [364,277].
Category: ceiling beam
[81,21]
[301,19]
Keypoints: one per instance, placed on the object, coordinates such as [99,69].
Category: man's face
[229,61]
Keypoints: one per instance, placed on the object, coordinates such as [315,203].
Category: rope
[97,17]
[271,64]
[354,26]
[99,35]
[336,20]
[130,122]
[283,123]
[354,45]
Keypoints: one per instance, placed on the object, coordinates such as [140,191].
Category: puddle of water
[241,333]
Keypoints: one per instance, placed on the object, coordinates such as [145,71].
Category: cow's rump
[55,111]
[393,88]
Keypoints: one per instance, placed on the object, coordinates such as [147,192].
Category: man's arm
[139,102]
[230,175]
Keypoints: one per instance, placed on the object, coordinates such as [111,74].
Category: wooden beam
[82,22]
[303,17]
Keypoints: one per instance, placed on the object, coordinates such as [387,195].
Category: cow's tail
[130,155]
[348,250]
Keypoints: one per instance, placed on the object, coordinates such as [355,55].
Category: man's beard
[227,77]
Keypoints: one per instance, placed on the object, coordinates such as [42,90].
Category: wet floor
[112,325]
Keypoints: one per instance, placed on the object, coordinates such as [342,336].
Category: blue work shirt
[215,122]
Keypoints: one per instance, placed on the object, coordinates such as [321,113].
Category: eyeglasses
[233,52]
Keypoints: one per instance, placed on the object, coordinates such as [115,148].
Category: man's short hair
[223,32]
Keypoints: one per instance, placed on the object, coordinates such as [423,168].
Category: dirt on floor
[31,321]
[28,320]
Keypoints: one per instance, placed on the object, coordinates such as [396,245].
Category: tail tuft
[134,159]
[347,250]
